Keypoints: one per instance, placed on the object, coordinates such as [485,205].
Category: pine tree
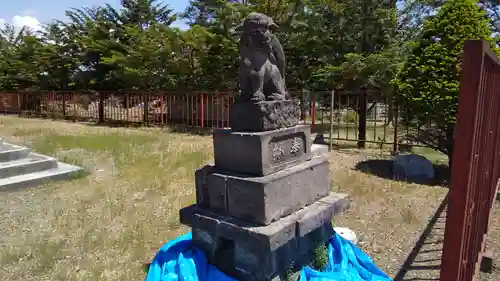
[428,85]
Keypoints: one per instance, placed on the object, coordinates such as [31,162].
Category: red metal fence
[361,116]
[195,109]
[476,163]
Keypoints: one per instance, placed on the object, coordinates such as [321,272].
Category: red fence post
[475,167]
[313,112]
[64,105]
[202,117]
[362,110]
[101,108]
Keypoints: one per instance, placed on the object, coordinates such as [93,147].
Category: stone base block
[251,252]
[264,115]
[262,200]
[263,153]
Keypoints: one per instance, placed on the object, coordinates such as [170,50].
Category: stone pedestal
[261,153]
[264,116]
[266,203]
[263,199]
[254,252]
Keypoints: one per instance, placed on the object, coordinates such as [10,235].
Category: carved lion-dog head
[256,30]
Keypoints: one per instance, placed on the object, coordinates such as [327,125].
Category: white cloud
[28,21]
[19,21]
[180,24]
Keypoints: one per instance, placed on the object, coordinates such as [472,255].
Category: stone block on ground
[413,167]
[262,153]
[264,115]
[248,251]
[319,150]
[262,200]
[487,262]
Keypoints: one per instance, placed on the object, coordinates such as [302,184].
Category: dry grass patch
[493,244]
[105,225]
[388,216]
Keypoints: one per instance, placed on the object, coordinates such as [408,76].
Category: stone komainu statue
[262,65]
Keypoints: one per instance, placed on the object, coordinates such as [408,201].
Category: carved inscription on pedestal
[286,148]
[296,145]
[278,152]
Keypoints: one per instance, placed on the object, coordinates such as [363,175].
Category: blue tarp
[177,261]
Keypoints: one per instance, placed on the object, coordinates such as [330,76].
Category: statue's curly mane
[263,43]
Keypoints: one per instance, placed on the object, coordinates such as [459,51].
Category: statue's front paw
[276,97]
[258,97]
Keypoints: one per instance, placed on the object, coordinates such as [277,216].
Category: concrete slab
[10,152]
[19,167]
[63,171]
[31,164]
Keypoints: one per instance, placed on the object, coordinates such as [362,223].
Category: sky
[33,13]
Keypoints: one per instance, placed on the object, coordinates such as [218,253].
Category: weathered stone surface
[262,60]
[250,252]
[201,185]
[264,116]
[263,200]
[413,167]
[263,153]
[269,237]
[325,209]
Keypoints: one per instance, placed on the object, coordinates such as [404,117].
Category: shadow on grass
[412,263]
[383,168]
[190,130]
[171,128]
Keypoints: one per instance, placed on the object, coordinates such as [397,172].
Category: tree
[362,34]
[428,84]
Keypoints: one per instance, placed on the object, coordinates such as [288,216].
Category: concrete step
[61,172]
[31,164]
[11,152]
[319,150]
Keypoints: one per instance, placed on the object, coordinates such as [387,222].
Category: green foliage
[428,84]
[320,256]
[135,47]
[328,44]
[289,272]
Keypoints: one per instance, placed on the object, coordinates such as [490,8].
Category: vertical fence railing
[476,163]
[358,116]
[196,109]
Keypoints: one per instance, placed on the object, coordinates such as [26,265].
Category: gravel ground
[389,216]
[400,225]
[494,244]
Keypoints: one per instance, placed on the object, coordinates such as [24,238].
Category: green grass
[113,216]
[111,220]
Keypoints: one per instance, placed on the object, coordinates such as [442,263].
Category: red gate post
[313,112]
[475,165]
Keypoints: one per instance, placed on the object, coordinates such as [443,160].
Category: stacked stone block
[267,202]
